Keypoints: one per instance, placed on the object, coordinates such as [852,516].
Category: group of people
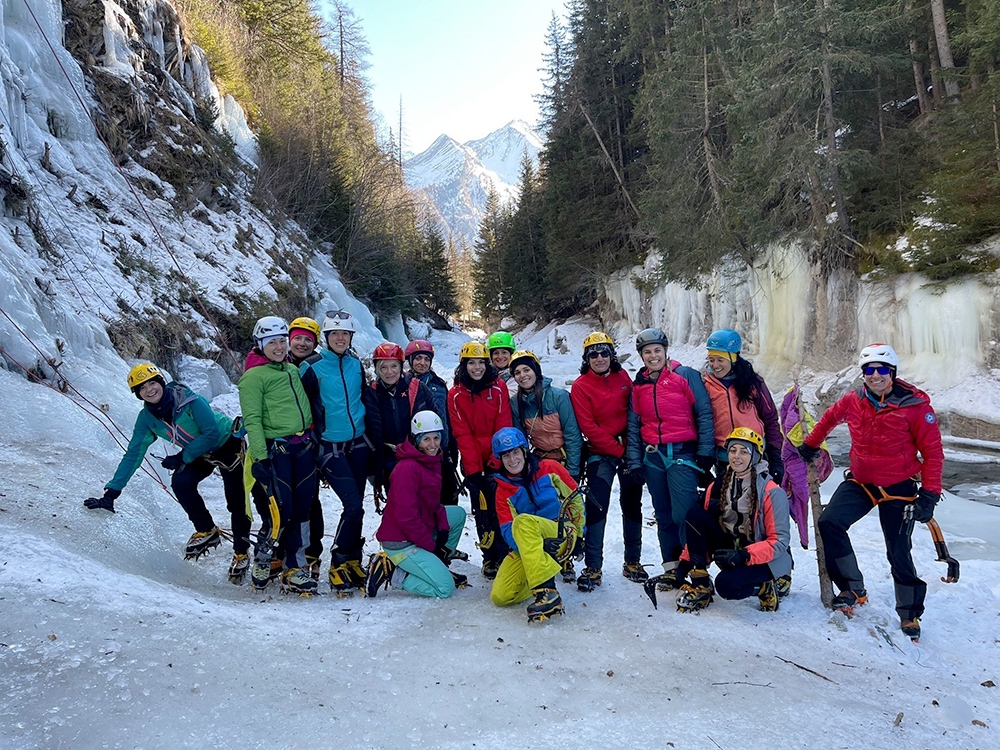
[538,464]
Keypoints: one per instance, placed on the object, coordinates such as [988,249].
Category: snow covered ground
[108,638]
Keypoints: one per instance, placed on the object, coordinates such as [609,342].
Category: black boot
[547,602]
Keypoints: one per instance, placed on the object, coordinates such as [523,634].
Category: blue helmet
[725,340]
[507,439]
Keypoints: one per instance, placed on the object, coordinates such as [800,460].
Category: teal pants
[426,575]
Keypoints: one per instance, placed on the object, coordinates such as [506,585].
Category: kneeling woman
[744,529]
[532,495]
[418,534]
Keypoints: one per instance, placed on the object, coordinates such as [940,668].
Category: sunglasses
[338,314]
[595,353]
[872,369]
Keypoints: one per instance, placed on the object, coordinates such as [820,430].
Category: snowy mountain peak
[455,178]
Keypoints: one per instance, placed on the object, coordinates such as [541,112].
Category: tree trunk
[944,48]
[836,182]
[918,70]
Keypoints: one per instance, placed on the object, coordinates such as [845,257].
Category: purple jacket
[413,510]
[795,483]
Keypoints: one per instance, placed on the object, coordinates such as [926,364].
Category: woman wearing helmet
[418,534]
[176,414]
[740,398]
[279,421]
[600,399]
[389,403]
[303,338]
[890,422]
[478,406]
[501,348]
[335,380]
[541,517]
[743,527]
[544,413]
[419,355]
[671,443]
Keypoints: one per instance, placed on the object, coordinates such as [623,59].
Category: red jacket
[601,406]
[474,418]
[885,441]
[413,510]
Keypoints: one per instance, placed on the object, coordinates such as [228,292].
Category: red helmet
[419,346]
[388,350]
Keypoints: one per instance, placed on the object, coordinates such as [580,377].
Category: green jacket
[274,403]
[197,430]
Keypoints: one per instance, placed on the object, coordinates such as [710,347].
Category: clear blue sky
[463,67]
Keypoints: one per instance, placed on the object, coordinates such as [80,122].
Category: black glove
[923,506]
[637,474]
[731,558]
[551,546]
[441,544]
[173,462]
[808,454]
[106,502]
[261,471]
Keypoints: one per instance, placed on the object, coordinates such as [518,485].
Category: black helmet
[650,336]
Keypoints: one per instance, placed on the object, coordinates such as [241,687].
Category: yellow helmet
[524,354]
[474,350]
[307,324]
[141,373]
[746,435]
[598,337]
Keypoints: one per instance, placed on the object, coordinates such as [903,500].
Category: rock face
[455,178]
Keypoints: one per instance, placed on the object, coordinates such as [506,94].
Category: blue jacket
[554,428]
[196,429]
[549,484]
[334,384]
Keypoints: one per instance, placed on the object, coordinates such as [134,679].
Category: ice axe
[941,547]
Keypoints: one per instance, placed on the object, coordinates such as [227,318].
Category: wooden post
[825,584]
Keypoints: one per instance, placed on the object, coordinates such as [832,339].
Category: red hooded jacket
[885,441]
[474,418]
[601,406]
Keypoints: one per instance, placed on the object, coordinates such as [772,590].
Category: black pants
[705,535]
[849,504]
[345,468]
[293,485]
[483,498]
[449,479]
[600,475]
[317,527]
[185,483]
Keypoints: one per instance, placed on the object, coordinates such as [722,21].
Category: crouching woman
[418,534]
[743,527]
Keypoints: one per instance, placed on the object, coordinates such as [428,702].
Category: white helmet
[338,320]
[425,421]
[878,353]
[268,327]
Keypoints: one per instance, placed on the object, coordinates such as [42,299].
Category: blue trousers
[673,487]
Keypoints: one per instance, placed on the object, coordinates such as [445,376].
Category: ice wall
[790,321]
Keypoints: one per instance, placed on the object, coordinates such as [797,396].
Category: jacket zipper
[291,384]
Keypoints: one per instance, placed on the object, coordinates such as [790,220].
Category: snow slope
[109,639]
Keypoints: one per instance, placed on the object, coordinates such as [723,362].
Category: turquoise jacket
[197,430]
[556,427]
[334,383]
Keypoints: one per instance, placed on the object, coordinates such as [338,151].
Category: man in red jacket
[890,422]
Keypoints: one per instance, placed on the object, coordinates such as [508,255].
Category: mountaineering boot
[260,575]
[911,629]
[201,542]
[847,601]
[461,581]
[297,581]
[356,575]
[697,594]
[238,567]
[783,585]
[767,595]
[312,565]
[589,579]
[568,571]
[340,584]
[635,572]
[380,569]
[547,602]
[669,581]
[490,569]
[276,568]
[457,554]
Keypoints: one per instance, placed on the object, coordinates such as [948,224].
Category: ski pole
[941,547]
